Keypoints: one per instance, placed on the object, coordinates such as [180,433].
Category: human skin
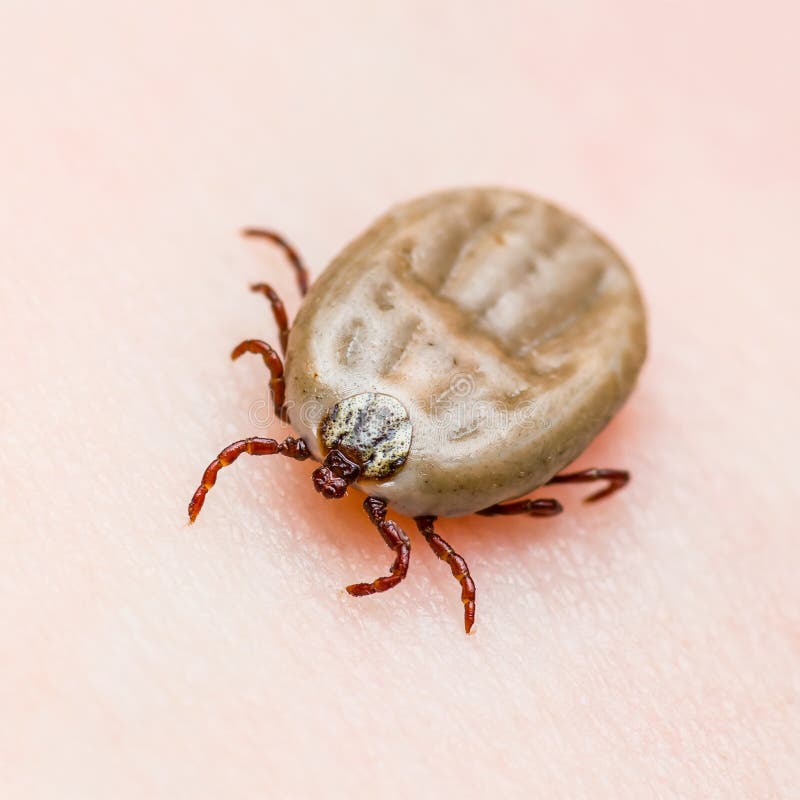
[646,646]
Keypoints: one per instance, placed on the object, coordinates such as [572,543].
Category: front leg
[457,566]
[254,446]
[396,540]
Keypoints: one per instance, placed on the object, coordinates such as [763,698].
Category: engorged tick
[458,354]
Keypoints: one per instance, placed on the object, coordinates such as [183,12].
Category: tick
[456,356]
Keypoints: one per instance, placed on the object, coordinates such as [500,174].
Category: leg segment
[617,478]
[274,365]
[396,540]
[255,446]
[457,566]
[278,311]
[291,253]
[533,508]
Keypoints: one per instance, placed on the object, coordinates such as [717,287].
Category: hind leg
[291,253]
[533,508]
[616,478]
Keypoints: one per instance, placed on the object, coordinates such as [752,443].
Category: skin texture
[509,331]
[646,646]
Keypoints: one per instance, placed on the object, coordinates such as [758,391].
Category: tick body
[458,354]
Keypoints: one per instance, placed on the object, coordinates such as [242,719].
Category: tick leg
[275,366]
[617,478]
[546,507]
[396,540]
[292,254]
[457,566]
[255,446]
[278,311]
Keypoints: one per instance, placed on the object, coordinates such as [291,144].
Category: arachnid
[458,354]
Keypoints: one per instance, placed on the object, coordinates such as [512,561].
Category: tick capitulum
[539,312]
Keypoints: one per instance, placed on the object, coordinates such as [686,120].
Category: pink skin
[648,645]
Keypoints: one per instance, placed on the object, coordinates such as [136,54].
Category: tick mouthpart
[336,473]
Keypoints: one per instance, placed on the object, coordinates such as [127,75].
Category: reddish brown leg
[533,508]
[274,365]
[291,253]
[396,539]
[278,311]
[617,478]
[457,565]
[293,448]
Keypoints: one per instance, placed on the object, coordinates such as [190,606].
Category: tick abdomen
[507,329]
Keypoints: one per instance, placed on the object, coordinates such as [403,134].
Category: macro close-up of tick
[507,292]
[456,356]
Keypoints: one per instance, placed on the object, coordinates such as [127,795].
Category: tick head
[335,475]
[366,435]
